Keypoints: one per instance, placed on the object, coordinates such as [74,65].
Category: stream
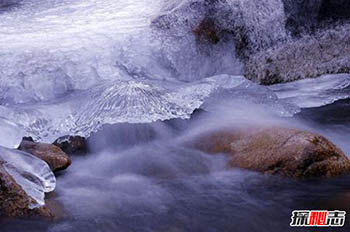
[100,69]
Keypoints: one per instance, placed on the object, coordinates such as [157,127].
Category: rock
[302,15]
[56,208]
[72,144]
[14,202]
[305,16]
[51,154]
[214,20]
[282,151]
[326,52]
[334,10]
[207,31]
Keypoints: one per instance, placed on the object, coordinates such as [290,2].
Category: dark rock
[307,16]
[51,154]
[72,145]
[207,31]
[334,10]
[326,52]
[286,152]
[302,15]
[14,202]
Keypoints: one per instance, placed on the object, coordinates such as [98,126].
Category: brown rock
[55,207]
[286,152]
[14,202]
[51,154]
[207,31]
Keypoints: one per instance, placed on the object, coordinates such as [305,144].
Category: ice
[10,134]
[315,92]
[49,48]
[133,101]
[233,89]
[31,173]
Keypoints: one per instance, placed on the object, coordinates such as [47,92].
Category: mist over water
[142,177]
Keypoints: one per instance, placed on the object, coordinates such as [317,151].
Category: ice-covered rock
[31,173]
[252,25]
[325,52]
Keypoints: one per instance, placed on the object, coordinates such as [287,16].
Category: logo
[318,218]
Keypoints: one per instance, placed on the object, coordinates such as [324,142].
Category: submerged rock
[51,154]
[281,151]
[72,144]
[326,52]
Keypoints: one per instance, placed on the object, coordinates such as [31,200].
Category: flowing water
[100,69]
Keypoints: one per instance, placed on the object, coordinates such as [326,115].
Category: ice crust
[113,102]
[31,173]
[315,92]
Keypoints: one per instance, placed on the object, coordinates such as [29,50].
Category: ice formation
[134,102]
[314,92]
[31,173]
